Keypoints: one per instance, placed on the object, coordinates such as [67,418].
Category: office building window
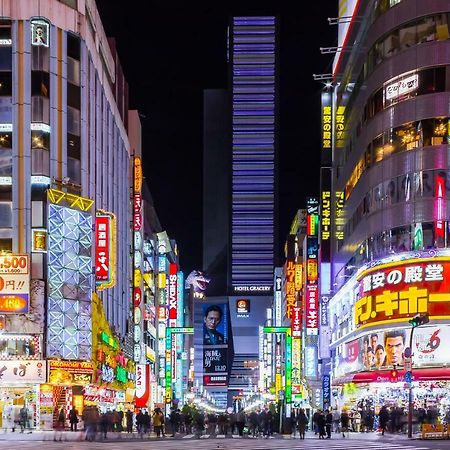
[40,109]
[5,214]
[73,121]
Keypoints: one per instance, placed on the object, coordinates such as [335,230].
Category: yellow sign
[298,276]
[291,300]
[137,174]
[339,125]
[326,127]
[73,201]
[39,240]
[339,222]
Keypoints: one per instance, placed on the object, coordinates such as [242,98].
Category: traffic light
[419,319]
[393,376]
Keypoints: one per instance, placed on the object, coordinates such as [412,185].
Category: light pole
[416,321]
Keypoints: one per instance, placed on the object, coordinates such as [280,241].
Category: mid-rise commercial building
[65,212]
[384,202]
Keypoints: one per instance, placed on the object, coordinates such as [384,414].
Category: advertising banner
[142,385]
[105,255]
[326,390]
[173,294]
[397,292]
[215,344]
[23,372]
[382,349]
[70,372]
[14,284]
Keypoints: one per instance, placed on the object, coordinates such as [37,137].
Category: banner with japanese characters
[105,230]
[395,292]
[23,371]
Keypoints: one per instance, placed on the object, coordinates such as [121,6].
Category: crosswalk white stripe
[188,436]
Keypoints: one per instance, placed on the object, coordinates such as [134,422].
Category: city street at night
[225,225]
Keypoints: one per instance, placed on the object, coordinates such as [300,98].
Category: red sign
[398,292]
[137,296]
[312,309]
[296,318]
[439,206]
[173,293]
[142,385]
[102,247]
[137,212]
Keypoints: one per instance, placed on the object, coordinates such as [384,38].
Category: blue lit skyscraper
[240,205]
[253,64]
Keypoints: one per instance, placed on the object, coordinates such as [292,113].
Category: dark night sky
[171,53]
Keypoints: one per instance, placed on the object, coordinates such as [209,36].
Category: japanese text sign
[312,309]
[291,299]
[398,292]
[23,371]
[14,284]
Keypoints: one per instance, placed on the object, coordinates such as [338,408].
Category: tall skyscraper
[240,188]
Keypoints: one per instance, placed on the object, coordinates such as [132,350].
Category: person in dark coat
[129,420]
[302,422]
[328,423]
[345,421]
[321,424]
[383,418]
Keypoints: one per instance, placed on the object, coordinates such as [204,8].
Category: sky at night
[171,53]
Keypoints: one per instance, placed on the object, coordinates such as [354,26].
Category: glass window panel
[40,162]
[73,121]
[73,71]
[40,58]
[40,110]
[5,162]
[5,109]
[5,214]
[408,36]
[40,139]
[74,170]
[6,83]
[5,58]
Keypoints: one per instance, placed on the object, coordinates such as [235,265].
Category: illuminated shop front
[370,333]
[20,387]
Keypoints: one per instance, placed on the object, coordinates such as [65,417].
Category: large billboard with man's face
[385,349]
[215,336]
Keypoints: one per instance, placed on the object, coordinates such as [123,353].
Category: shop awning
[383,376]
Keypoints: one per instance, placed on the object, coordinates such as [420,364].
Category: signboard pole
[410,393]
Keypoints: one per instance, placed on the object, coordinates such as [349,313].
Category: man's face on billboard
[394,350]
[212,320]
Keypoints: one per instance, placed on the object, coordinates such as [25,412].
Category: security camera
[65,180]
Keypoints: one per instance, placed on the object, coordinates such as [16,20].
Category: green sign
[276,329]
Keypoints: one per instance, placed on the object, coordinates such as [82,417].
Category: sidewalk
[370,436]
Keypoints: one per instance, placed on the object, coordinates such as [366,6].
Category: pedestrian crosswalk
[230,442]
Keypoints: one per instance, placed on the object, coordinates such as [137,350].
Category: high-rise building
[65,179]
[240,206]
[385,217]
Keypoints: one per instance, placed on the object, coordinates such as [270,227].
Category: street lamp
[416,321]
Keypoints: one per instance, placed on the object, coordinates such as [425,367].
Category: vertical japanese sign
[340,126]
[291,299]
[325,214]
[173,295]
[296,320]
[312,244]
[277,291]
[138,303]
[105,241]
[326,391]
[326,121]
[339,220]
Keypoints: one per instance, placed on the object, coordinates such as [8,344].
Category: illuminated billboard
[14,284]
[395,292]
[105,253]
[382,349]
[215,337]
[69,312]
